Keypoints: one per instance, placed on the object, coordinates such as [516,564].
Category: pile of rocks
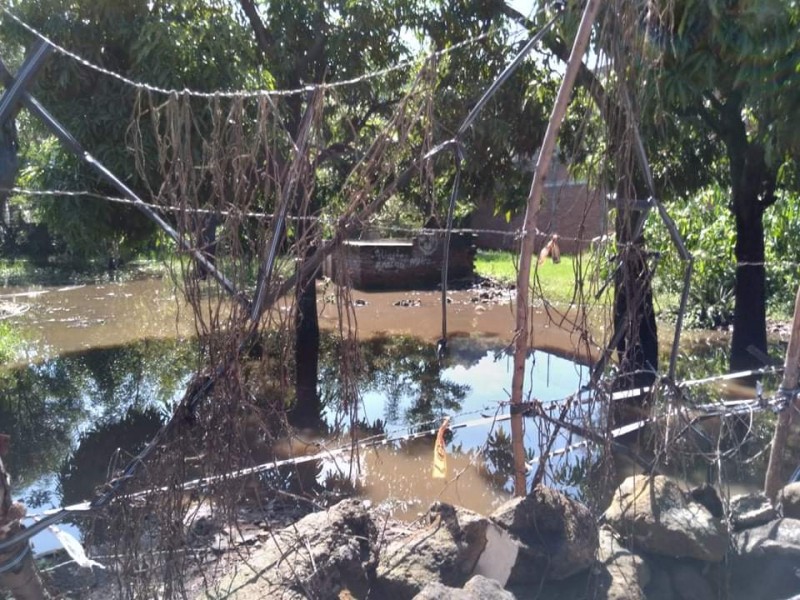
[654,541]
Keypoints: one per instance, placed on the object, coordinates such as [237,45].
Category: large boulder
[477,588]
[790,500]
[322,555]
[751,510]
[556,536]
[765,561]
[621,574]
[446,551]
[654,515]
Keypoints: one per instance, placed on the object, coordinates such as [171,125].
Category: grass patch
[555,281]
[11,342]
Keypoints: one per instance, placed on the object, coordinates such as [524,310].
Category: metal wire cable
[249,93]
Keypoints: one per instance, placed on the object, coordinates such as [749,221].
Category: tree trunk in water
[634,317]
[635,329]
[9,166]
[307,411]
[750,293]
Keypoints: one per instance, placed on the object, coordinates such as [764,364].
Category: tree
[635,335]
[314,41]
[193,43]
[729,69]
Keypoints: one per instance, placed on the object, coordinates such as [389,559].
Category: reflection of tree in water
[104,448]
[40,406]
[44,405]
[404,368]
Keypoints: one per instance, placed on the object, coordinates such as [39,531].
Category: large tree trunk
[634,318]
[635,333]
[307,411]
[752,189]
[9,166]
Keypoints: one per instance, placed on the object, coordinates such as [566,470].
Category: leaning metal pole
[529,239]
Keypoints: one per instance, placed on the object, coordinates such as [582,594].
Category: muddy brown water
[69,318]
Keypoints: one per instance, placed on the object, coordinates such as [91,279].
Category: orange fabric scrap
[552,250]
[439,452]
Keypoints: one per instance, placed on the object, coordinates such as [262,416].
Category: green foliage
[189,43]
[10,342]
[706,226]
[782,241]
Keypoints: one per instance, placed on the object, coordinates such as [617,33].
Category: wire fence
[244,385]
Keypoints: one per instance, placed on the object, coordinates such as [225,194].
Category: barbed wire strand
[261,92]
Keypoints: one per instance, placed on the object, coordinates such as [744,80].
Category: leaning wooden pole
[529,239]
[775,479]
[18,572]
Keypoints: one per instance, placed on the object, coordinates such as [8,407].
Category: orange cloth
[439,452]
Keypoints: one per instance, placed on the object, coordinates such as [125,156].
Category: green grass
[556,282]
[11,342]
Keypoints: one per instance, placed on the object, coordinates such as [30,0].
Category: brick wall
[569,209]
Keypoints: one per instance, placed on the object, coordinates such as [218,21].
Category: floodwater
[69,318]
[106,363]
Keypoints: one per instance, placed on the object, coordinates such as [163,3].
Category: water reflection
[58,410]
[407,390]
[77,416]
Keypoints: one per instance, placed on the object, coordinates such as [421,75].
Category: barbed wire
[323,219]
[374,225]
[139,85]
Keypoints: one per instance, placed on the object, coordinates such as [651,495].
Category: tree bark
[751,182]
[634,318]
[307,411]
[9,166]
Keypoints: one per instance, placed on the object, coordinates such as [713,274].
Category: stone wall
[401,264]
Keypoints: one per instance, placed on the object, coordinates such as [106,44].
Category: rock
[751,510]
[321,555]
[477,588]
[483,588]
[766,562]
[557,537]
[688,582]
[654,514]
[707,496]
[680,579]
[446,552]
[623,574]
[790,500]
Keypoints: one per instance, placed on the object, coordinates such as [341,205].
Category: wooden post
[529,239]
[775,478]
[22,581]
